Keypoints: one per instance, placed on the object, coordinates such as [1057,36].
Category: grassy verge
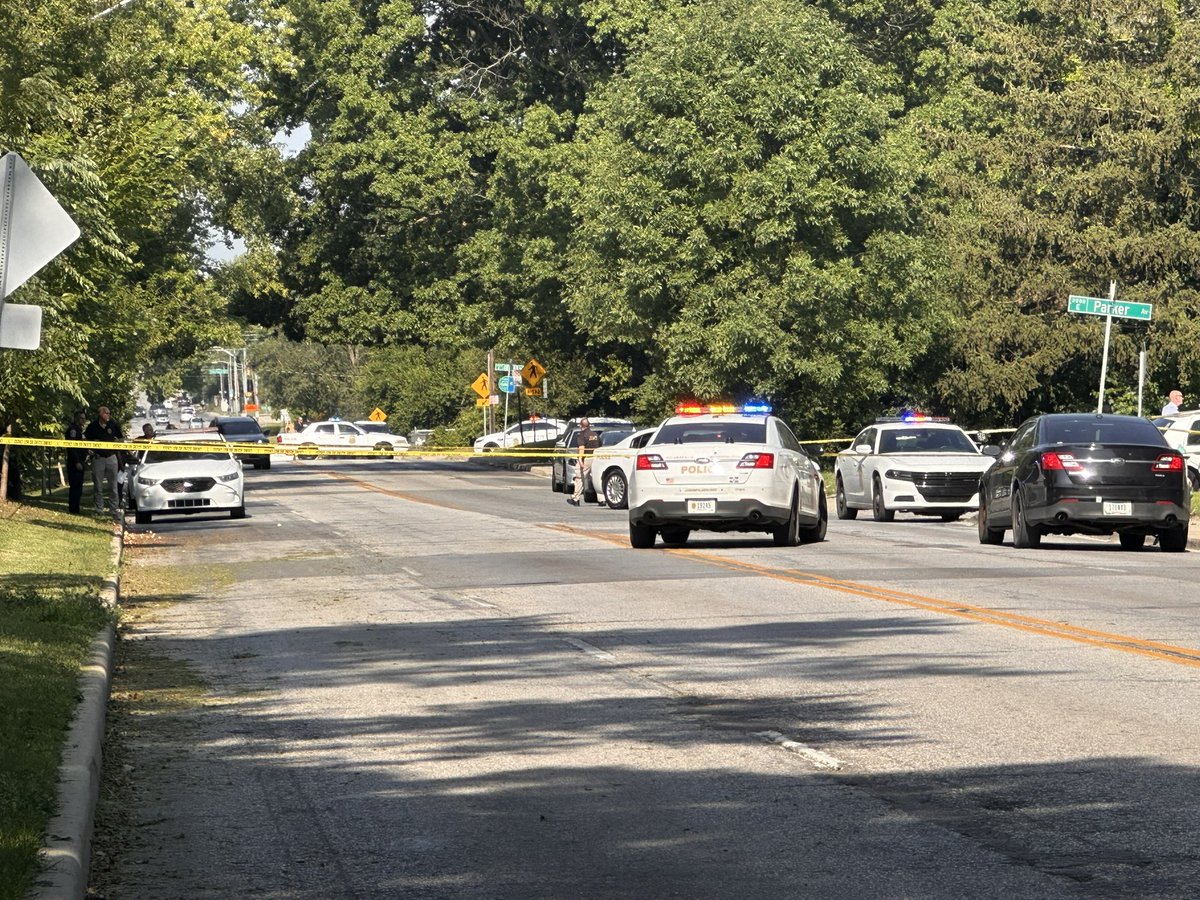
[52,565]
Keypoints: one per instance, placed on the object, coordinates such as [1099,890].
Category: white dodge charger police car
[725,468]
[912,464]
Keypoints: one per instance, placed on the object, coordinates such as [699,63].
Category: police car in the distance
[912,463]
[725,468]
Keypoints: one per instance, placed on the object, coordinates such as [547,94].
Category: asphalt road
[437,679]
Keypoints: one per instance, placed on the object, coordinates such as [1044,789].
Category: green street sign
[220,371]
[506,367]
[1101,306]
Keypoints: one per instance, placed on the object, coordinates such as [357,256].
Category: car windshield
[925,440]
[160,456]
[712,433]
[1096,430]
[374,427]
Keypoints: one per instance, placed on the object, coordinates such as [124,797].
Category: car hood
[189,468]
[936,462]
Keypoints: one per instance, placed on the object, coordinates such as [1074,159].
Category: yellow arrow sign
[377,415]
[480,385]
[533,372]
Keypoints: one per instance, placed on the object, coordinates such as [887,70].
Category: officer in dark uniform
[76,462]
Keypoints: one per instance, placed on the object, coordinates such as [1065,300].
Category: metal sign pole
[1112,296]
[1141,376]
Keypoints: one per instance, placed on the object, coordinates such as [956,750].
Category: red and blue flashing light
[754,408]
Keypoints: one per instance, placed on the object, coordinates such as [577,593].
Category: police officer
[106,463]
[587,441]
[76,461]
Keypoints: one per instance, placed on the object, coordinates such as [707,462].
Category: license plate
[1118,509]
[701,507]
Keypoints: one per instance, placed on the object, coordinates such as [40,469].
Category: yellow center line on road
[1185,656]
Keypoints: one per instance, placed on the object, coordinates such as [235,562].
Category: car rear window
[1094,430]
[239,428]
[712,433]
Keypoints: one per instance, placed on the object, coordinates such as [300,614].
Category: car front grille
[946,487]
[188,503]
[187,485]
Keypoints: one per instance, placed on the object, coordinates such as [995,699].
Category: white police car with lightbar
[725,468]
[911,463]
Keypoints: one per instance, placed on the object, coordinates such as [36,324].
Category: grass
[52,565]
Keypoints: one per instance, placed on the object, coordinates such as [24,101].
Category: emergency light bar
[911,417]
[723,409]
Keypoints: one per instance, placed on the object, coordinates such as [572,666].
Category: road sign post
[1110,309]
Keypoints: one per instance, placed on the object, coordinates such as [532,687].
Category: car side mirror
[862,448]
[992,450]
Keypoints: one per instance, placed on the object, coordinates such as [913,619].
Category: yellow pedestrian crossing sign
[480,385]
[377,415]
[533,373]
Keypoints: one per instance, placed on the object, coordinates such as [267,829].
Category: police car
[725,468]
[913,463]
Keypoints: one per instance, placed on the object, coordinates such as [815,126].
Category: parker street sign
[1099,306]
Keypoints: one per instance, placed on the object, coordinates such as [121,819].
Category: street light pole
[233,378]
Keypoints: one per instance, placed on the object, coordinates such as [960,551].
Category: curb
[66,845]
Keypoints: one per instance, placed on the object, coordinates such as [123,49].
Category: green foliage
[743,220]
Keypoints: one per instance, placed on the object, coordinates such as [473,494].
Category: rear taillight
[650,461]
[757,461]
[1168,462]
[1060,462]
[279,438]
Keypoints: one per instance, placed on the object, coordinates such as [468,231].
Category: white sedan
[183,482]
[917,465]
[334,434]
[611,468]
[531,431]
[725,468]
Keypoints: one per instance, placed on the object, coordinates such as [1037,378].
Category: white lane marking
[413,572]
[479,602]
[816,757]
[589,649]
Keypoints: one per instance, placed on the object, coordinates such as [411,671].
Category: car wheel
[1025,536]
[238,513]
[814,534]
[555,485]
[1174,540]
[844,509]
[616,491]
[488,448]
[1132,541]
[879,510]
[1194,479]
[264,463]
[307,451]
[675,537]
[142,518]
[788,534]
[987,534]
[641,537]
[386,447]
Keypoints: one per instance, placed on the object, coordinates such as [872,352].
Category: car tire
[814,534]
[788,534]
[987,534]
[1174,540]
[1194,479]
[307,451]
[238,512]
[641,537]
[675,537]
[488,448]
[879,510]
[616,490]
[264,463]
[555,485]
[385,446]
[1132,541]
[1025,536]
[844,509]
[142,518]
